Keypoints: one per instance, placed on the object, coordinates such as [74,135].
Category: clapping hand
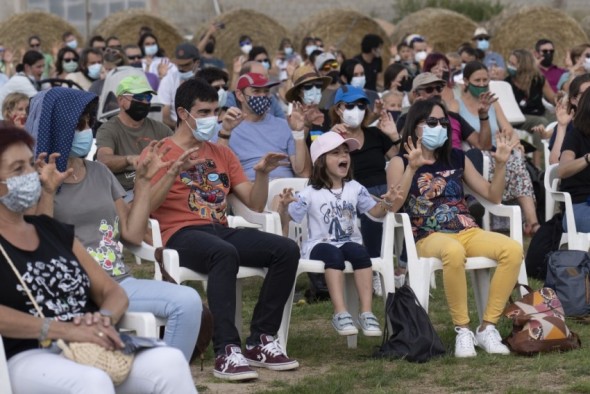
[486,99]
[51,178]
[296,118]
[232,118]
[564,117]
[414,154]
[504,147]
[270,161]
[387,125]
[153,162]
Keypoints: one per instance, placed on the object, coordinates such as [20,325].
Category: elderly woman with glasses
[431,175]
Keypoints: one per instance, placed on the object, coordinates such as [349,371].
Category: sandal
[531,229]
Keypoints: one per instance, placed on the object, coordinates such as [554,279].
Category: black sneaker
[269,354]
[233,365]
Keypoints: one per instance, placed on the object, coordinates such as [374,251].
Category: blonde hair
[11,101]
[527,69]
[392,93]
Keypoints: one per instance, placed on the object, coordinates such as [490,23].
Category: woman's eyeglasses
[433,122]
[361,106]
[330,66]
[431,89]
[309,86]
[69,60]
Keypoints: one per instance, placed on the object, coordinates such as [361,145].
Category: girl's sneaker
[369,324]
[343,324]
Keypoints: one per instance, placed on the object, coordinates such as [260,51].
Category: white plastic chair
[549,202]
[510,107]
[383,264]
[90,155]
[575,240]
[420,269]
[142,323]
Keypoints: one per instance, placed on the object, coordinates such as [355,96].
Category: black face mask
[395,115]
[136,65]
[547,60]
[138,110]
[335,75]
[445,76]
[405,85]
[209,47]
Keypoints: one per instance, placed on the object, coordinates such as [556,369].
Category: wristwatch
[224,136]
[586,158]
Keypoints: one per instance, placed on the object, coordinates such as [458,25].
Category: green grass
[328,366]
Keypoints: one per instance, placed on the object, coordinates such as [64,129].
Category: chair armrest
[154,225]
[144,251]
[144,324]
[266,220]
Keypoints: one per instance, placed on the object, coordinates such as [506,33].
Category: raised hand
[163,67]
[504,147]
[270,161]
[185,161]
[564,117]
[232,118]
[153,162]
[387,125]
[378,107]
[297,117]
[393,193]
[313,116]
[486,99]
[341,129]
[414,155]
[51,178]
[286,198]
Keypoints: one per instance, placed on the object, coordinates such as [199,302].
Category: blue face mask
[433,137]
[72,44]
[94,71]
[150,50]
[483,44]
[82,143]
[205,127]
[186,75]
[266,64]
[288,51]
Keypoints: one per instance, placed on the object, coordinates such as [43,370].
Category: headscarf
[53,118]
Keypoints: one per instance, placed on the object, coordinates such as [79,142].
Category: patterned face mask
[259,104]
[23,192]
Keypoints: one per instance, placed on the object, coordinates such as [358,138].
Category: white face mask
[150,50]
[312,96]
[246,49]
[358,82]
[222,97]
[205,127]
[587,64]
[420,56]
[353,117]
[309,49]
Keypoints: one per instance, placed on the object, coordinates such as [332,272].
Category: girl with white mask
[377,144]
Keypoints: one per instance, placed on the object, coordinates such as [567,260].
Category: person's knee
[453,255]
[334,264]
[512,252]
[91,377]
[188,300]
[225,258]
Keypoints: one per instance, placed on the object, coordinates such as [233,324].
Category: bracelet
[397,142]
[386,205]
[298,135]
[484,119]
[224,136]
[43,341]
[106,313]
[586,157]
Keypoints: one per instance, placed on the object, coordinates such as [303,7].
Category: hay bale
[524,26]
[387,27]
[16,30]
[126,24]
[443,29]
[585,23]
[343,29]
[263,30]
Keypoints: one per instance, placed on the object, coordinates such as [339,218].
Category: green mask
[477,90]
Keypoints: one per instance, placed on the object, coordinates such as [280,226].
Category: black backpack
[545,241]
[413,338]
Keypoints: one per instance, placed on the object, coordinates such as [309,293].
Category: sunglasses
[69,60]
[134,57]
[547,51]
[483,38]
[361,106]
[432,122]
[224,87]
[264,61]
[330,66]
[242,43]
[430,89]
[309,86]
[140,97]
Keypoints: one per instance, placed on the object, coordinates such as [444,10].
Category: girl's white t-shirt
[331,219]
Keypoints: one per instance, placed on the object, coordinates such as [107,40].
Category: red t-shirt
[198,195]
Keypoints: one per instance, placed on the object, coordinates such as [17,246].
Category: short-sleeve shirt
[531,102]
[252,140]
[331,219]
[368,162]
[436,201]
[371,71]
[125,141]
[96,224]
[198,195]
[577,185]
[52,272]
[167,91]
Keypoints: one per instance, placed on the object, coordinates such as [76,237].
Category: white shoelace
[466,339]
[492,337]
[237,359]
[274,348]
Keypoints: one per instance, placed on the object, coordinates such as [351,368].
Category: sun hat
[425,79]
[303,75]
[328,141]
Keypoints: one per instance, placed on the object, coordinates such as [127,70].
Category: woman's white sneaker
[464,343]
[491,341]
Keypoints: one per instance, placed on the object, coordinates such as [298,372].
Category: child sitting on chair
[332,201]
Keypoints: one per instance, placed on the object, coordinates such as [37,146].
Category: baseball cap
[134,84]
[323,58]
[186,51]
[481,32]
[328,141]
[425,79]
[349,94]
[255,80]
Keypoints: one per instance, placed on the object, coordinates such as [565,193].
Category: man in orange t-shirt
[189,201]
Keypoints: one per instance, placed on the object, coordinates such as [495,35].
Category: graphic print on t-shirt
[109,254]
[208,190]
[339,215]
[58,286]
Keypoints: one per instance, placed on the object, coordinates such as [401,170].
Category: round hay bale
[387,27]
[126,24]
[343,29]
[263,30]
[444,30]
[16,30]
[585,23]
[524,26]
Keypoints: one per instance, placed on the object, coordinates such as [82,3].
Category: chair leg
[352,303]
[417,274]
[480,282]
[283,333]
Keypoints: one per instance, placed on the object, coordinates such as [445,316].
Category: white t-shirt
[156,60]
[167,91]
[331,219]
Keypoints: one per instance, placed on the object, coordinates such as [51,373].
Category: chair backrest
[551,179]
[4,378]
[297,231]
[503,91]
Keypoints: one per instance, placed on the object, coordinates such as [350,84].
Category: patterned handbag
[538,324]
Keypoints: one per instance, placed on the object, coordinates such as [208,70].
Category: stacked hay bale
[343,29]
[522,27]
[585,23]
[16,30]
[263,30]
[126,24]
[444,30]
